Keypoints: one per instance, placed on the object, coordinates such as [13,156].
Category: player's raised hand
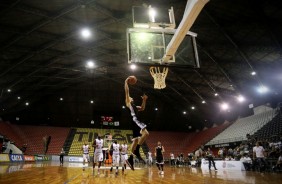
[144,97]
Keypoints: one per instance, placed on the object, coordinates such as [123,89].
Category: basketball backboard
[148,46]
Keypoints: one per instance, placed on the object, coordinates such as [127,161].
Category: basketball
[132,80]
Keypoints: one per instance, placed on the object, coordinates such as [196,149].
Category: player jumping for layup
[139,136]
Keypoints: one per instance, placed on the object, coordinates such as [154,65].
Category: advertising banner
[55,158]
[42,158]
[16,158]
[75,159]
[224,165]
[28,158]
[4,158]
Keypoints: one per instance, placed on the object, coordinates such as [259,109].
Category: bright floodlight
[156,109]
[91,101]
[224,106]
[253,73]
[90,64]
[19,97]
[9,90]
[61,99]
[152,14]
[123,107]
[133,67]
[27,104]
[263,89]
[85,33]
[184,112]
[192,107]
[216,94]
[203,102]
[240,98]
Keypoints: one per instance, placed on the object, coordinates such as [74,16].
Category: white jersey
[259,150]
[123,149]
[172,156]
[99,145]
[149,155]
[123,152]
[116,149]
[150,158]
[85,149]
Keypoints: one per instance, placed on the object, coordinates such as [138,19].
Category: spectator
[181,159]
[259,155]
[172,159]
[230,152]
[247,161]
[229,158]
[24,147]
[210,156]
[62,154]
[199,157]
[220,153]
[278,165]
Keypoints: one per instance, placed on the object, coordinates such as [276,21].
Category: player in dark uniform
[159,150]
[210,156]
[140,133]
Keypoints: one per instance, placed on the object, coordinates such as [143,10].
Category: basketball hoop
[159,77]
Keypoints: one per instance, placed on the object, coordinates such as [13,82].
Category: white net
[159,76]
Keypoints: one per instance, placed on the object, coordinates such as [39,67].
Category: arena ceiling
[43,59]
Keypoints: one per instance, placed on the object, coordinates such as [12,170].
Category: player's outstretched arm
[126,89]
[143,105]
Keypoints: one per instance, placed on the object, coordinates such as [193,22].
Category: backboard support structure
[192,10]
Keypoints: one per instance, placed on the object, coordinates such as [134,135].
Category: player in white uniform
[124,156]
[85,149]
[116,155]
[150,159]
[98,152]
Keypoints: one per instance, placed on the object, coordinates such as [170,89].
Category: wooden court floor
[72,173]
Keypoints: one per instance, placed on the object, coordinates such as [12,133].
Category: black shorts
[160,160]
[136,130]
